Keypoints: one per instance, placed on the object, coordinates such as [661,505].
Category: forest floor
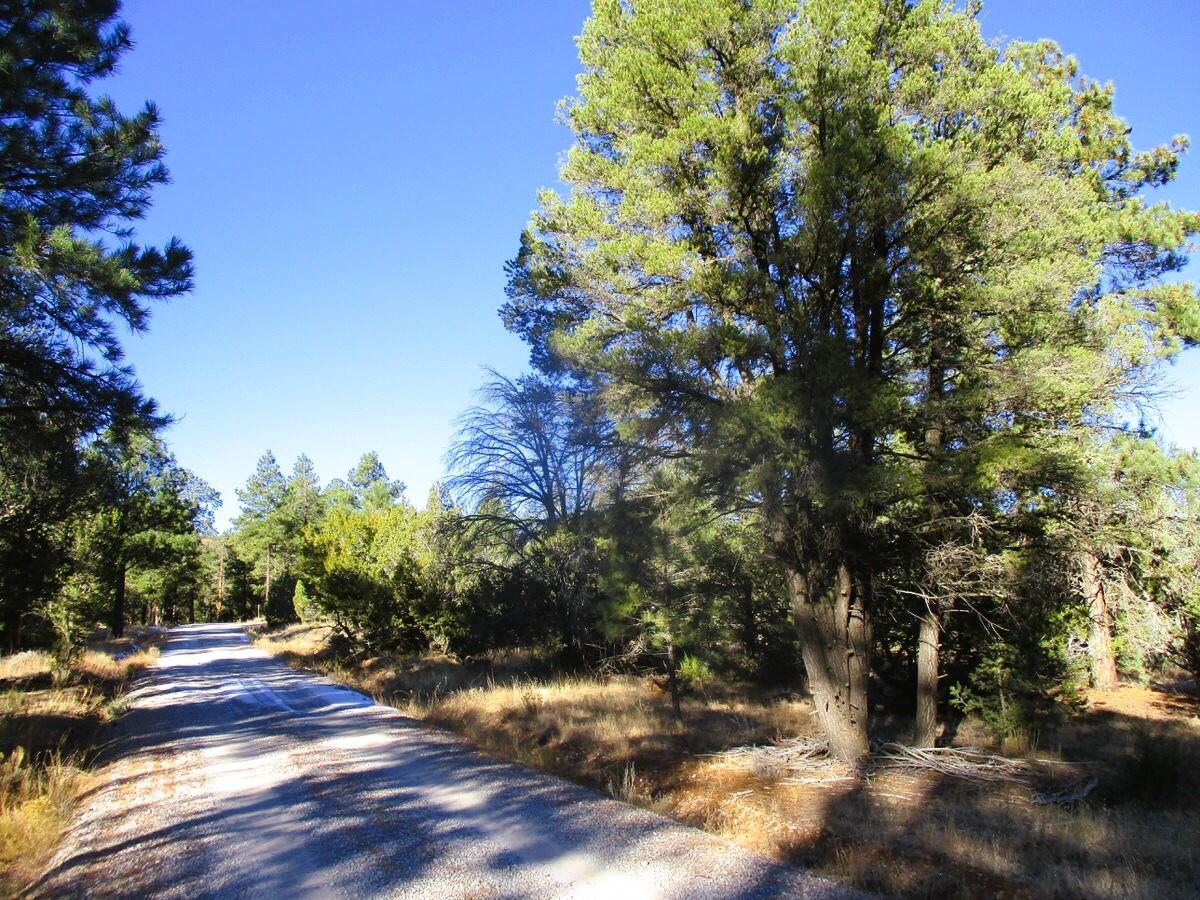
[51,728]
[901,833]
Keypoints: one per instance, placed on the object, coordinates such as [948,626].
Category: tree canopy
[77,174]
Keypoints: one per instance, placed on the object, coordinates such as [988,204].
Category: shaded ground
[239,776]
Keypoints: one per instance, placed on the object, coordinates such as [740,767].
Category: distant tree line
[558,532]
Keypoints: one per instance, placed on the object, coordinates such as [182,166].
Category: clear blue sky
[352,177]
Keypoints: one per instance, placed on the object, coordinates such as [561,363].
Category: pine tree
[264,490]
[370,484]
[303,504]
[145,501]
[76,174]
[74,168]
[261,531]
[788,225]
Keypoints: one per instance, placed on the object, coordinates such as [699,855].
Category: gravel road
[236,776]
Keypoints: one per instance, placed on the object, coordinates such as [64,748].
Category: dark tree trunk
[1100,625]
[12,627]
[929,633]
[266,604]
[925,728]
[835,641]
[118,610]
[673,679]
[220,591]
[749,621]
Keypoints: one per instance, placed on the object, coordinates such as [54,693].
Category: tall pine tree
[785,221]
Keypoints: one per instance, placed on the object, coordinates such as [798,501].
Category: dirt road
[237,776]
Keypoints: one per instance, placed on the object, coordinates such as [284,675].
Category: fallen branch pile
[776,760]
[807,761]
[1048,780]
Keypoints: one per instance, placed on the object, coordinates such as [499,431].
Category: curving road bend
[240,777]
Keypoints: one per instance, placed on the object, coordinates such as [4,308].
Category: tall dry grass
[37,799]
[50,729]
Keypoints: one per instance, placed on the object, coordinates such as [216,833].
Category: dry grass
[25,665]
[36,802]
[913,834]
[49,733]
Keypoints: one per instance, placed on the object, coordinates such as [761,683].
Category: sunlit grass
[37,799]
[50,721]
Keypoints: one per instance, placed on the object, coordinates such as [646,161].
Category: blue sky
[353,176]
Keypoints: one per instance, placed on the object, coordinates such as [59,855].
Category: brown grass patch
[50,730]
[912,834]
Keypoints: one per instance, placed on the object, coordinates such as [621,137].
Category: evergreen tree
[149,503]
[786,220]
[76,174]
[303,504]
[262,530]
[370,485]
[74,168]
[264,491]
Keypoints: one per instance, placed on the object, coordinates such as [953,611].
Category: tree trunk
[118,610]
[749,622]
[12,628]
[835,642]
[929,634]
[673,679]
[929,637]
[220,592]
[1100,625]
[266,604]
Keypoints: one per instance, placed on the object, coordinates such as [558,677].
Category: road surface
[239,777]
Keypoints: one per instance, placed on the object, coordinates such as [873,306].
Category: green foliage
[859,271]
[694,671]
[78,174]
[362,570]
[75,169]
[40,483]
[306,609]
[82,600]
[369,485]
[833,328]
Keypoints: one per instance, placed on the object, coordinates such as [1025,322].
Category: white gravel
[239,777]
